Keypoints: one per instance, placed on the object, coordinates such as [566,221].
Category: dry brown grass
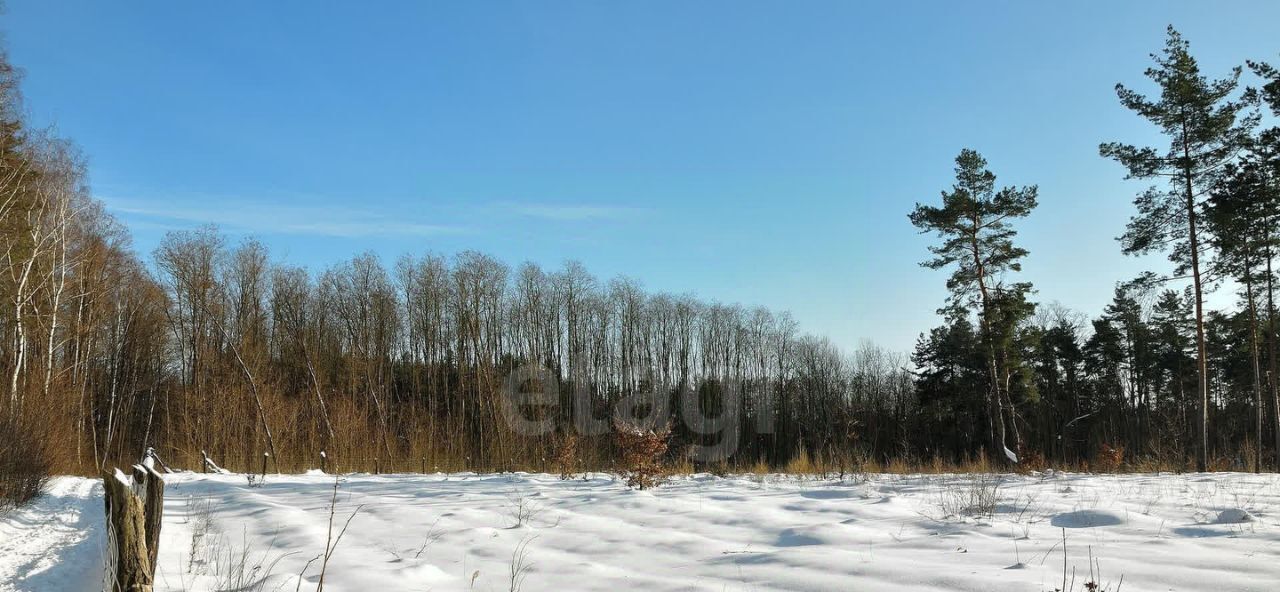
[826,466]
[802,464]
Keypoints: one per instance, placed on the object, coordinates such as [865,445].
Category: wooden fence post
[322,462]
[129,563]
[265,456]
[151,485]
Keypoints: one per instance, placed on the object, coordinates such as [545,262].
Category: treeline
[228,352]
[1156,375]
[420,361]
[434,362]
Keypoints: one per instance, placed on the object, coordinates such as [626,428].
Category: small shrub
[520,565]
[567,457]
[977,496]
[522,510]
[24,463]
[1109,458]
[1030,460]
[641,451]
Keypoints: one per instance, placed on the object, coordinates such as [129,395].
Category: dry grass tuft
[801,464]
[977,496]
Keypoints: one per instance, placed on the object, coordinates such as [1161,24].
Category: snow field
[701,532]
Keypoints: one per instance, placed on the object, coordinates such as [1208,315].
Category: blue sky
[757,152]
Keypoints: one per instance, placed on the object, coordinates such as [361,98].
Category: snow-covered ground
[55,543]
[461,532]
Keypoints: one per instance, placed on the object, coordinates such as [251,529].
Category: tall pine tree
[975,225]
[1265,154]
[1205,131]
[1237,217]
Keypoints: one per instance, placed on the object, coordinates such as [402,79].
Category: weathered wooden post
[204,462]
[149,485]
[133,514]
[377,466]
[323,458]
[265,456]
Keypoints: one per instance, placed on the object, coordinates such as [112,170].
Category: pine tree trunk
[996,410]
[1202,362]
[1257,371]
[1271,351]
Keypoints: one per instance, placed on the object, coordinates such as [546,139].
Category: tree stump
[129,562]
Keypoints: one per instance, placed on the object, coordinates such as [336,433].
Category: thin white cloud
[275,218]
[573,212]
[301,217]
